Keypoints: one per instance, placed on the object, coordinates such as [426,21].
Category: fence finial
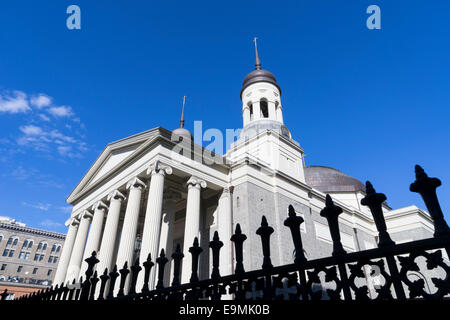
[293,222]
[177,256]
[148,265]
[374,201]
[238,238]
[123,277]
[112,282]
[426,187]
[195,251]
[264,232]
[135,269]
[215,246]
[331,212]
[161,261]
[103,278]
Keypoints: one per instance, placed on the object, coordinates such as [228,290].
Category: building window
[1,237]
[22,255]
[3,267]
[42,246]
[35,270]
[5,253]
[27,244]
[11,253]
[49,272]
[19,269]
[12,242]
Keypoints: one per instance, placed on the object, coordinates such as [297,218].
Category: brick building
[28,257]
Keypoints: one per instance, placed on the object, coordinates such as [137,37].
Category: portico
[152,203]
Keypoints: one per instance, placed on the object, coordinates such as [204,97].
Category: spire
[257,61]
[182,113]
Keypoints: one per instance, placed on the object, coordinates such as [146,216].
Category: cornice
[34,231]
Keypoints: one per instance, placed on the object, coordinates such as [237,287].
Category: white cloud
[47,223]
[44,117]
[14,104]
[41,101]
[62,111]
[31,130]
[40,206]
[64,150]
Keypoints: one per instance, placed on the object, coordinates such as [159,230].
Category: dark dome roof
[327,179]
[259,75]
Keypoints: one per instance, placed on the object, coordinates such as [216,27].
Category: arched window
[12,242]
[58,248]
[42,246]
[264,108]
[25,244]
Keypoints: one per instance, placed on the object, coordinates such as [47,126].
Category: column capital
[158,167]
[86,215]
[99,205]
[73,222]
[196,182]
[136,183]
[116,195]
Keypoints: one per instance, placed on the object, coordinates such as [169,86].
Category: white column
[256,110]
[152,223]
[280,114]
[272,112]
[246,115]
[225,225]
[167,230]
[130,225]
[192,224]
[110,233]
[95,233]
[64,259]
[73,271]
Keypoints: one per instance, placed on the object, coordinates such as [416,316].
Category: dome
[182,132]
[327,179]
[259,75]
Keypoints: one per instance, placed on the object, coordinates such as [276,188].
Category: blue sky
[371,103]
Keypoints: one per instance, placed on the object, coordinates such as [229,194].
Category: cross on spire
[257,61]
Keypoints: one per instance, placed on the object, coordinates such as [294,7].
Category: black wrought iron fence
[337,277]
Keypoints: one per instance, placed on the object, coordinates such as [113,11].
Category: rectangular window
[41,257]
[22,255]
[19,269]
[35,270]
[27,256]
[5,253]
[49,272]
[11,253]
[3,267]
[50,259]
[55,259]
[36,257]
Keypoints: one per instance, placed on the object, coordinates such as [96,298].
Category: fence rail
[341,276]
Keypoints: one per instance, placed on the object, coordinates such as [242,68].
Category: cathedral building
[141,195]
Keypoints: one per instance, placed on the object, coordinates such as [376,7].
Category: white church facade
[141,196]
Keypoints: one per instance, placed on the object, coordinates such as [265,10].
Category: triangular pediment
[113,156]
